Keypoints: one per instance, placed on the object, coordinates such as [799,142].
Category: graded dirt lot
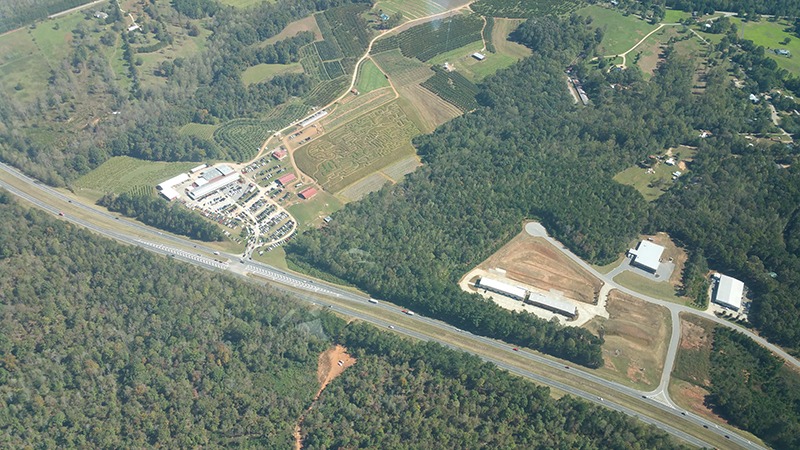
[533,261]
[636,336]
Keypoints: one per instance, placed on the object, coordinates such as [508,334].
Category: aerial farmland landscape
[323,224]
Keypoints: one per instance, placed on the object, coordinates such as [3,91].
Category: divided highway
[352,304]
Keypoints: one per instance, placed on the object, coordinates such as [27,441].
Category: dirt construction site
[535,265]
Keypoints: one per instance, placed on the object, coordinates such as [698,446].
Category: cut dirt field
[306,24]
[535,262]
[332,363]
[636,334]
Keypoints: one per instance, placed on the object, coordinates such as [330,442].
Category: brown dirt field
[427,110]
[636,338]
[692,398]
[693,336]
[535,262]
[306,24]
[328,369]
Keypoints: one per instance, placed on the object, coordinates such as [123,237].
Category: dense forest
[104,345]
[404,395]
[156,212]
[488,171]
[754,390]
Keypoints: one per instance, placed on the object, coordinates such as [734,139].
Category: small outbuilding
[479,56]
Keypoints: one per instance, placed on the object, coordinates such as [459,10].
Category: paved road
[137,234]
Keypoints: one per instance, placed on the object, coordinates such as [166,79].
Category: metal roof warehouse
[647,255]
[729,292]
[502,288]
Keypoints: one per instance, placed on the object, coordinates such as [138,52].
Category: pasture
[500,38]
[364,145]
[125,174]
[370,77]
[363,187]
[770,35]
[620,32]
[636,335]
[309,214]
[292,29]
[22,64]
[264,72]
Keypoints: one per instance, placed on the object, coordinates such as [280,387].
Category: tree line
[156,212]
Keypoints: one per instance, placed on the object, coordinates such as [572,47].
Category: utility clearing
[332,363]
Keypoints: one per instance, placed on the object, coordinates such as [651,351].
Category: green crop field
[414,9]
[370,78]
[770,35]
[125,174]
[524,8]
[620,32]
[354,106]
[453,88]
[433,38]
[244,3]
[359,148]
[265,72]
[242,138]
[200,130]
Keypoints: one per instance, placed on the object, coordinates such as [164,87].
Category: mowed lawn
[370,77]
[620,32]
[124,174]
[265,72]
[770,35]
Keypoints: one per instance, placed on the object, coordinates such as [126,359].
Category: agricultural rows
[524,8]
[453,88]
[242,138]
[432,38]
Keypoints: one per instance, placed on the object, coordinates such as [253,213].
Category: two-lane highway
[346,302]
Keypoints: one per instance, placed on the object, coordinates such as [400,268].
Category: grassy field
[636,335]
[244,3]
[359,148]
[362,187]
[770,35]
[304,24]
[264,72]
[124,174]
[654,185]
[370,77]
[675,15]
[53,36]
[310,213]
[662,290]
[199,130]
[21,63]
[621,32]
[400,169]
[500,33]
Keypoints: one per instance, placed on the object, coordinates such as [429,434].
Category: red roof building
[279,154]
[308,193]
[286,179]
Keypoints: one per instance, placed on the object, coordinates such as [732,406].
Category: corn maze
[525,8]
[359,148]
[453,88]
[242,138]
[439,36]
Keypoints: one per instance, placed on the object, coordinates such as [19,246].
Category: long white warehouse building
[556,305]
[184,177]
[202,191]
[506,289]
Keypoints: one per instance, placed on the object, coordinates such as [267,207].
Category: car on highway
[408,313]
[60,213]
[373,301]
[515,349]
[391,327]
